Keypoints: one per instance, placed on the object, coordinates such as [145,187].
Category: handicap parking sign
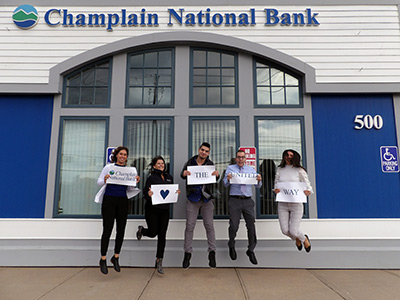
[389,159]
[108,154]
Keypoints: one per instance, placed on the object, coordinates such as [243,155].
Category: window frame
[171,154]
[191,85]
[128,69]
[284,70]
[58,165]
[303,158]
[83,68]
[237,142]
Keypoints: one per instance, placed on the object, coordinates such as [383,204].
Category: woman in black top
[157,216]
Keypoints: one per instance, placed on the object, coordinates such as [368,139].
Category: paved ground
[197,283]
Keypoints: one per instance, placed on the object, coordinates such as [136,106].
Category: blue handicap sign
[389,159]
[108,154]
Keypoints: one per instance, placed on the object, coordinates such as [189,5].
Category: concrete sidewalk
[197,283]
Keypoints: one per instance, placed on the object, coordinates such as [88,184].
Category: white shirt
[292,174]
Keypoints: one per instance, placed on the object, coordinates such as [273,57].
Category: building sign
[251,156]
[63,17]
[389,159]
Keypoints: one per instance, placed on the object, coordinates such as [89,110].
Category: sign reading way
[291,192]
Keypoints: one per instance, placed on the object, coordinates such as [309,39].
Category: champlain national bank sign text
[272,17]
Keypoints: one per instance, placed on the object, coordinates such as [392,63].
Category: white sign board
[164,193]
[244,178]
[291,192]
[201,175]
[122,175]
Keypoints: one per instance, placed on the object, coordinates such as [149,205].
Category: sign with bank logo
[389,159]
[122,175]
[26,16]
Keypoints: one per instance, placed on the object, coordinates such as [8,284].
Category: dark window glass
[88,87]
[150,79]
[275,87]
[213,81]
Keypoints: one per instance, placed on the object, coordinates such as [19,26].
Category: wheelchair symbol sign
[108,154]
[389,159]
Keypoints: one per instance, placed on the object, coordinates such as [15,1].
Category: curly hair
[116,151]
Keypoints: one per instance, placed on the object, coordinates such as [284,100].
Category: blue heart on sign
[164,194]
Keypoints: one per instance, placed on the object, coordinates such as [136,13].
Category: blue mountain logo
[25,16]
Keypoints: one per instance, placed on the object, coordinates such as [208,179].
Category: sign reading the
[201,175]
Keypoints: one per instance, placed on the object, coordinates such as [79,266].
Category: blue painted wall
[349,178]
[25,126]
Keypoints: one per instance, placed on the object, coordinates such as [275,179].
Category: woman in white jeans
[291,213]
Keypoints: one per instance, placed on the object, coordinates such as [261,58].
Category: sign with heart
[164,193]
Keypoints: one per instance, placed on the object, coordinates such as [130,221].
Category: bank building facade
[319,77]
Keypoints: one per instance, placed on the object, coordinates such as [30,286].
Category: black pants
[113,208]
[157,221]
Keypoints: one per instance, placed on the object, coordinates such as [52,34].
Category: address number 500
[368,122]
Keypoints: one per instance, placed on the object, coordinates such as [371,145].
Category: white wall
[352,44]
[345,243]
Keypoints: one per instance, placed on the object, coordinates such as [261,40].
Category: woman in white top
[291,213]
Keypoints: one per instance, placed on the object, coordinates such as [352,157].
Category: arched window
[89,86]
[274,87]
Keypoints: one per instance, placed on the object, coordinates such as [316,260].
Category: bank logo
[25,16]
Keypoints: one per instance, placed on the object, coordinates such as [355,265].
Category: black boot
[103,266]
[139,233]
[186,260]
[211,259]
[159,266]
[115,262]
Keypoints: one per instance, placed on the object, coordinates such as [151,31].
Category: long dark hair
[295,160]
[116,151]
[154,161]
